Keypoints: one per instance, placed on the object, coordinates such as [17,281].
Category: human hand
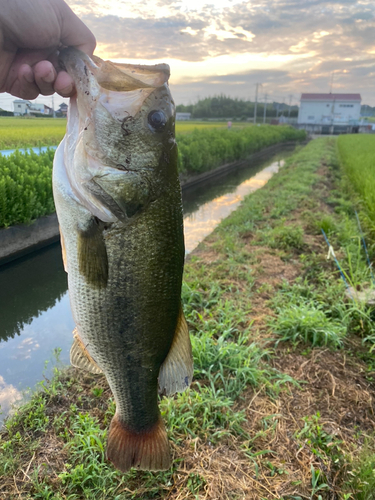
[31,33]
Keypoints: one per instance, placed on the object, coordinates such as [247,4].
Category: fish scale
[118,202]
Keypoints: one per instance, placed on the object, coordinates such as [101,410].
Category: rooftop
[331,97]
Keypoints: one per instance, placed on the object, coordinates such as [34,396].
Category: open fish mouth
[109,106]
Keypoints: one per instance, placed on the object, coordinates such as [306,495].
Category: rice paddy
[19,132]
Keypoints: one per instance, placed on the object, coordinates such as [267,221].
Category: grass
[282,411]
[357,155]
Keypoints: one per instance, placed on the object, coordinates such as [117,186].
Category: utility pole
[265,108]
[331,86]
[53,106]
[256,101]
[290,105]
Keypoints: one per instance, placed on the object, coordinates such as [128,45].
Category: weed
[307,322]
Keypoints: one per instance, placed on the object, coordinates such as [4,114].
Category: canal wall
[20,240]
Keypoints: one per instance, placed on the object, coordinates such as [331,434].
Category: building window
[327,105]
[310,117]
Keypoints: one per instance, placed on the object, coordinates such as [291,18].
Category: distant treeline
[225,107]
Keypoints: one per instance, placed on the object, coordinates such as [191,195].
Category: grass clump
[286,238]
[307,322]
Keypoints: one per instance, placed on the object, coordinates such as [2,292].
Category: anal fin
[80,358]
[176,373]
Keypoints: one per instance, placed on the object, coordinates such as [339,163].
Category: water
[37,150]
[36,320]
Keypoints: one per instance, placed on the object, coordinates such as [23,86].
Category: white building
[329,109]
[20,107]
[183,116]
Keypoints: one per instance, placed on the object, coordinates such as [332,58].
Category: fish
[118,202]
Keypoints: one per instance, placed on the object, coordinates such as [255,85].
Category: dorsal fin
[80,358]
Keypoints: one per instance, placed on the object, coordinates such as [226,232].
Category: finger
[75,33]
[45,76]
[24,85]
[64,84]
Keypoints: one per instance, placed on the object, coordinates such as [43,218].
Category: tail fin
[146,450]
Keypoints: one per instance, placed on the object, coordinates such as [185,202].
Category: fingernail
[50,77]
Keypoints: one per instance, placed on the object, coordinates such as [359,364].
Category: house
[63,110]
[329,109]
[37,109]
[183,116]
[20,107]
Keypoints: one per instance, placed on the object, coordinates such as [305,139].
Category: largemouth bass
[118,202]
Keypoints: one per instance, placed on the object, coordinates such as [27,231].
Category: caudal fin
[146,450]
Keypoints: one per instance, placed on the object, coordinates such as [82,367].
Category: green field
[357,154]
[27,132]
[25,180]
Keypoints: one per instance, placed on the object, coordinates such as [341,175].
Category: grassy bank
[25,180]
[282,405]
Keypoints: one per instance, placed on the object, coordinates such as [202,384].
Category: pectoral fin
[80,358]
[176,373]
[92,255]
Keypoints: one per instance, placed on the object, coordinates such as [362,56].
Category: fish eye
[157,119]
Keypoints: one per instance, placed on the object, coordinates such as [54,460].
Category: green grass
[357,155]
[25,187]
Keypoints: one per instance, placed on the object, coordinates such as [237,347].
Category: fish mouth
[108,94]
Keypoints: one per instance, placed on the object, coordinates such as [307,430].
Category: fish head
[120,143]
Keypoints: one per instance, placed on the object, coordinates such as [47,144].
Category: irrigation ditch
[21,239]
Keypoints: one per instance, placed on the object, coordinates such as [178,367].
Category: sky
[227,46]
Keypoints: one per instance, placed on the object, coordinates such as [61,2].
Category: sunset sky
[227,46]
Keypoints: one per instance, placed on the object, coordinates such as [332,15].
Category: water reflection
[206,217]
[28,287]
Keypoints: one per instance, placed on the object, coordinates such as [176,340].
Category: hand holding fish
[31,32]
